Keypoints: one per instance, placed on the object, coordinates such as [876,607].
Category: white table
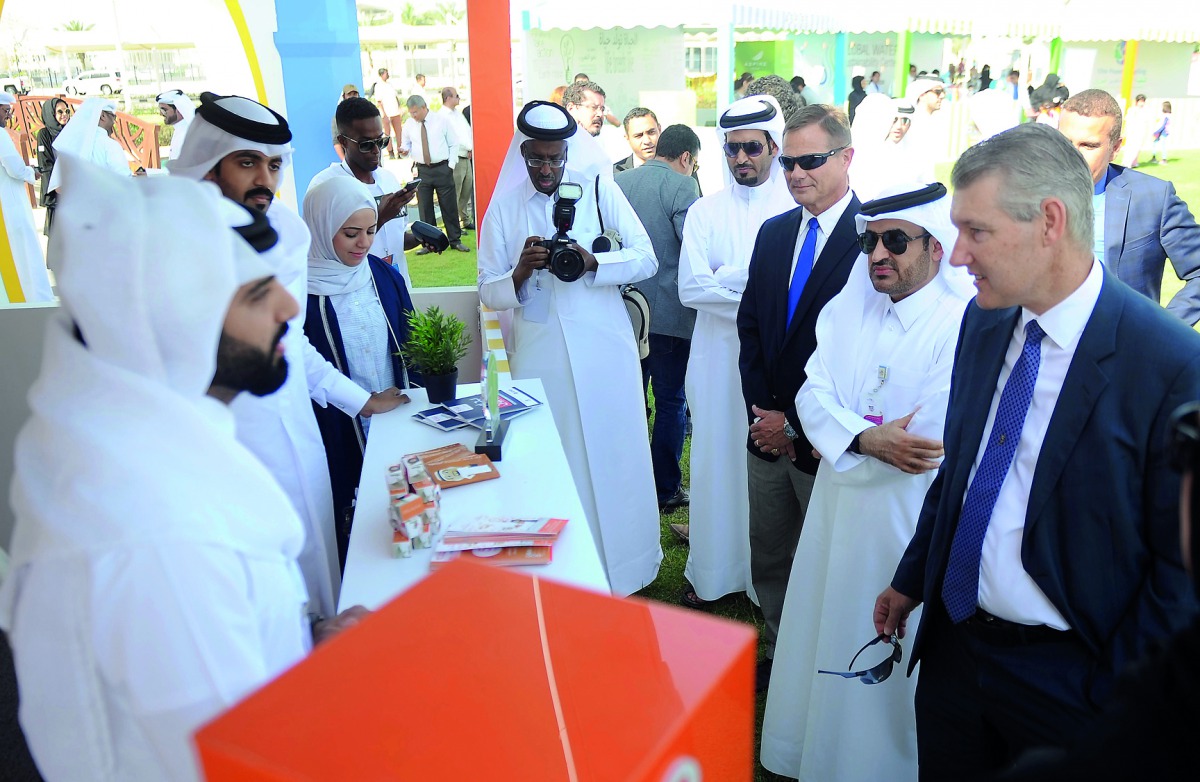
[535,481]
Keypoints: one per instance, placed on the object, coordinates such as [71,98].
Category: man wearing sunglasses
[361,133]
[928,134]
[718,239]
[873,406]
[801,260]
[1047,552]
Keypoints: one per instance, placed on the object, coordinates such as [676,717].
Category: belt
[1001,632]
[433,165]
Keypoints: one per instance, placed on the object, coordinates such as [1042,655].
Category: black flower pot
[441,387]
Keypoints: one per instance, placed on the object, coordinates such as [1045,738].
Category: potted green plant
[436,341]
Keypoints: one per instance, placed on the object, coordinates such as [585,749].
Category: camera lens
[566,264]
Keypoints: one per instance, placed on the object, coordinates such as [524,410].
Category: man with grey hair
[432,144]
[1140,220]
[1047,552]
[801,260]
[584,100]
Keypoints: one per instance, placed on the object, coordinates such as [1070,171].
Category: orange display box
[478,673]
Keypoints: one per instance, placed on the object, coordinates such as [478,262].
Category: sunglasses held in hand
[879,672]
[808,162]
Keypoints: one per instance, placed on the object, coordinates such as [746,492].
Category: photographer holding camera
[558,242]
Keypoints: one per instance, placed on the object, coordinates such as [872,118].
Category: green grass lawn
[459,269]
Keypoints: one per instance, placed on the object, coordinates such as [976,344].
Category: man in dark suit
[1047,552]
[1140,221]
[660,192]
[801,260]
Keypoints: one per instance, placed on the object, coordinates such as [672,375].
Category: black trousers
[439,179]
[984,697]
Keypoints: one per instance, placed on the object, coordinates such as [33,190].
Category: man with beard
[177,111]
[641,131]
[154,580]
[575,334]
[718,239]
[242,147]
[361,133]
[873,406]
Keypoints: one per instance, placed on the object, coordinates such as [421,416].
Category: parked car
[13,85]
[91,82]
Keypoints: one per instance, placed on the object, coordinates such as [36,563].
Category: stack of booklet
[499,540]
[468,411]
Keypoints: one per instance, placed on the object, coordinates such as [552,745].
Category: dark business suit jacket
[1102,526]
[661,197]
[1145,223]
[773,356]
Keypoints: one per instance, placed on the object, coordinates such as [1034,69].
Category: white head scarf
[327,207]
[880,163]
[122,415]
[7,99]
[586,159]
[921,86]
[227,124]
[181,102]
[756,112]
[80,136]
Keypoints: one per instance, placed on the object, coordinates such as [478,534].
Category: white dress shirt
[1005,589]
[462,130]
[442,140]
[826,222]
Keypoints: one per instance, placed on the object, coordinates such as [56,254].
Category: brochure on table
[469,410]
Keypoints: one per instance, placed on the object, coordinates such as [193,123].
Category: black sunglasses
[808,162]
[879,672]
[367,144]
[751,148]
[895,240]
[1184,429]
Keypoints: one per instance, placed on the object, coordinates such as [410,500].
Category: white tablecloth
[534,481]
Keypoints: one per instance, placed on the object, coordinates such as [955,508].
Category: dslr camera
[565,263]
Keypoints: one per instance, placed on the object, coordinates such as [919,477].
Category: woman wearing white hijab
[86,136]
[357,319]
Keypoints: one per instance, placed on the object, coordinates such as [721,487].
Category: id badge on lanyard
[873,399]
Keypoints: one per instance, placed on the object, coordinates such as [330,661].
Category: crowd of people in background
[918,418]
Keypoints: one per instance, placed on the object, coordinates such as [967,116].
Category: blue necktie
[804,264]
[960,590]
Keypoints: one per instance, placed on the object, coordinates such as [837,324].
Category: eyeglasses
[808,162]
[879,672]
[751,148]
[593,108]
[938,92]
[895,241]
[534,162]
[1185,436]
[367,144]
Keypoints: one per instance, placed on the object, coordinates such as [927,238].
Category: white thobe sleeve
[828,423]
[14,166]
[208,649]
[327,386]
[636,259]
[717,292]
[499,250]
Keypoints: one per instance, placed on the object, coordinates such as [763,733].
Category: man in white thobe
[718,239]
[242,146]
[154,579]
[177,111]
[576,335]
[873,406]
[18,215]
[930,131]
[87,136]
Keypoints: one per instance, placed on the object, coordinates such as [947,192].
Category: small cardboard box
[478,673]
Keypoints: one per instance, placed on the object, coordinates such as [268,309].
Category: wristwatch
[789,430]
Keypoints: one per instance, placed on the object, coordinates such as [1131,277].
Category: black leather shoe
[677,500]
[462,248]
[468,226]
[424,251]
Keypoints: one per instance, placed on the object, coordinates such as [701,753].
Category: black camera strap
[598,214]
